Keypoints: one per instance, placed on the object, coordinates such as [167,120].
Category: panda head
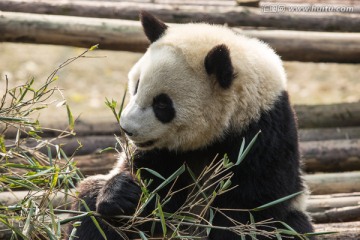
[195,84]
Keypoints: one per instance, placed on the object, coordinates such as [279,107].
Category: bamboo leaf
[262,207]
[96,223]
[162,218]
[14,229]
[142,236]
[70,118]
[122,104]
[154,173]
[171,178]
[94,47]
[242,154]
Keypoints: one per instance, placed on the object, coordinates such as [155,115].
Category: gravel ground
[86,82]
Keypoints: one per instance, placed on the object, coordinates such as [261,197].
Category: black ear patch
[218,62]
[152,26]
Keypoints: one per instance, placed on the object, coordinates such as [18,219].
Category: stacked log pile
[329,134]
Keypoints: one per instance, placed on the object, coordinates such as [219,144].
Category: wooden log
[334,122]
[317,156]
[328,183]
[320,183]
[81,128]
[348,210]
[128,36]
[180,12]
[335,133]
[344,214]
[71,145]
[325,116]
[331,155]
[99,163]
[345,231]
[110,127]
[321,203]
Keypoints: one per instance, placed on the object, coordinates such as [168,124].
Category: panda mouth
[145,144]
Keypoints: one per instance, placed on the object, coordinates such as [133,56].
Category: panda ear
[218,62]
[152,26]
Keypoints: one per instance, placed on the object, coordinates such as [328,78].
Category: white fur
[175,65]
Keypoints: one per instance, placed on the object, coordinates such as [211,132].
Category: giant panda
[196,93]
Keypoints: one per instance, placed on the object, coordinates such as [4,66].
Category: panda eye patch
[163,108]
[136,86]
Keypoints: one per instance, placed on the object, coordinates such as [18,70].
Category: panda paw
[119,196]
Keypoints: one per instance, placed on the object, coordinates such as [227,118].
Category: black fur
[153,27]
[119,197]
[270,171]
[218,62]
[163,108]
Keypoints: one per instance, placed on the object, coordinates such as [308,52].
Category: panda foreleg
[120,196]
[89,190]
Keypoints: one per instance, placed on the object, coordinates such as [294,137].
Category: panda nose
[127,132]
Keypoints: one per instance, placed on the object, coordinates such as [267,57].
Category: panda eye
[136,86]
[163,108]
[162,101]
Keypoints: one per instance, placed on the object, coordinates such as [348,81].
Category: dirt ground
[86,82]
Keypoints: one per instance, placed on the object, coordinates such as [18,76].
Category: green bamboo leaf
[122,104]
[243,153]
[49,232]
[262,207]
[252,221]
[70,118]
[211,218]
[142,236]
[107,149]
[286,232]
[154,173]
[70,219]
[290,230]
[20,183]
[14,229]
[162,218]
[27,226]
[319,233]
[73,233]
[55,177]
[226,185]
[171,178]
[192,175]
[96,223]
[94,47]
[25,166]
[2,144]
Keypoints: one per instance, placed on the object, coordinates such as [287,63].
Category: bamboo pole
[128,36]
